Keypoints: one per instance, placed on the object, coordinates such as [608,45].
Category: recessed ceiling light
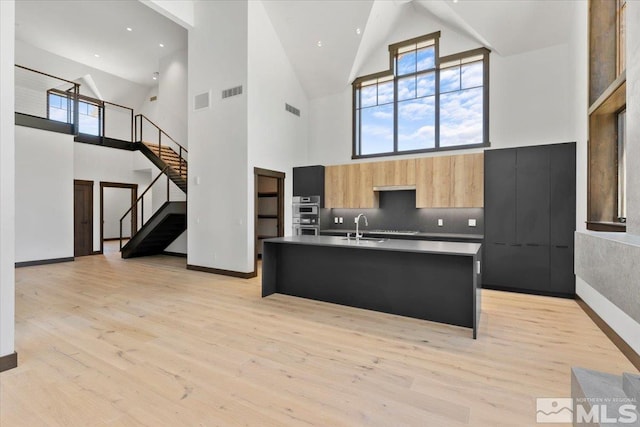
[96,55]
[358,31]
[319,43]
[161,45]
[129,29]
[455,1]
[156,75]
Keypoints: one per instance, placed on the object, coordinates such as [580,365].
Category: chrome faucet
[357,220]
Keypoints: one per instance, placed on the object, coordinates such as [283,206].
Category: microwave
[299,210]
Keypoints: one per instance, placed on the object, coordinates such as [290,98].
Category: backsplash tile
[397,211]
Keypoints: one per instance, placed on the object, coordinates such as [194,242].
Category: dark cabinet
[530,219]
[500,214]
[532,195]
[309,181]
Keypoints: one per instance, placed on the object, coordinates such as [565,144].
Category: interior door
[82,218]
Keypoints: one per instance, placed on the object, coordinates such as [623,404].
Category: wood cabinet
[393,172]
[441,182]
[450,181]
[350,186]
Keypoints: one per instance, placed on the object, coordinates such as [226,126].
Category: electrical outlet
[440,222]
[472,222]
[341,220]
[335,219]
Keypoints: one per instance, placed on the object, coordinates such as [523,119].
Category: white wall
[633,112]
[217,208]
[96,163]
[172,96]
[530,95]
[277,138]
[112,88]
[579,48]
[44,189]
[116,202]
[7,169]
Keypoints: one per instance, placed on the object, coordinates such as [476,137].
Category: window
[622,167]
[89,111]
[423,103]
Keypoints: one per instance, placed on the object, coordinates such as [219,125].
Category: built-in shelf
[606,226]
[613,98]
[266,237]
[267,216]
[275,194]
[607,95]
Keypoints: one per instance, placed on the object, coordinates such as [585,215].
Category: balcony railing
[46,97]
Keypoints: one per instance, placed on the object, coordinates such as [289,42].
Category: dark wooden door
[82,218]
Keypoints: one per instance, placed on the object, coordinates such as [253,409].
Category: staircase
[170,220]
[158,232]
[163,156]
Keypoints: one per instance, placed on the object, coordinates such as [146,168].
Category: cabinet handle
[562,246]
[516,244]
[500,243]
[533,244]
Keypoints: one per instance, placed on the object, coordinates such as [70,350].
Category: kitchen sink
[366,239]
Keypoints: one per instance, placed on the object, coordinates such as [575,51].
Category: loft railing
[45,96]
[139,214]
[32,96]
[150,133]
[120,123]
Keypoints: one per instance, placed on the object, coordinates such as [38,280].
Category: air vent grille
[201,101]
[292,109]
[232,92]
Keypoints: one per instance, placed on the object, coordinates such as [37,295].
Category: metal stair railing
[133,210]
[182,153]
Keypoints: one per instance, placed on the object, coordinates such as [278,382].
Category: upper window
[424,103]
[89,111]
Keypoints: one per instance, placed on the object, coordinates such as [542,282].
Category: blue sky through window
[88,114]
[461,104]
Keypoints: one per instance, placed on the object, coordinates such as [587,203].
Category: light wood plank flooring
[143,342]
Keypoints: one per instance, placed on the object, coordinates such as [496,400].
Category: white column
[7,169]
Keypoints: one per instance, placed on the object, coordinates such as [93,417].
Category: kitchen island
[436,281]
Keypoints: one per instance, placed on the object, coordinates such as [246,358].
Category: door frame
[280,176]
[90,185]
[134,213]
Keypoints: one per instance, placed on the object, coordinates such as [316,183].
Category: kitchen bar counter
[448,237]
[430,280]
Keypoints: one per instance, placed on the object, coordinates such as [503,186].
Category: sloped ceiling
[79,30]
[506,27]
[300,25]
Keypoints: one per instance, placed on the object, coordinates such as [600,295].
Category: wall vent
[232,92]
[201,101]
[153,98]
[292,109]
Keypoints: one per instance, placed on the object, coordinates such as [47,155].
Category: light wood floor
[144,342]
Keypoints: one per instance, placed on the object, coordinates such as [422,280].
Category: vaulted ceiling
[347,30]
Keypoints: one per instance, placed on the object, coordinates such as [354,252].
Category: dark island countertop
[455,237]
[396,245]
